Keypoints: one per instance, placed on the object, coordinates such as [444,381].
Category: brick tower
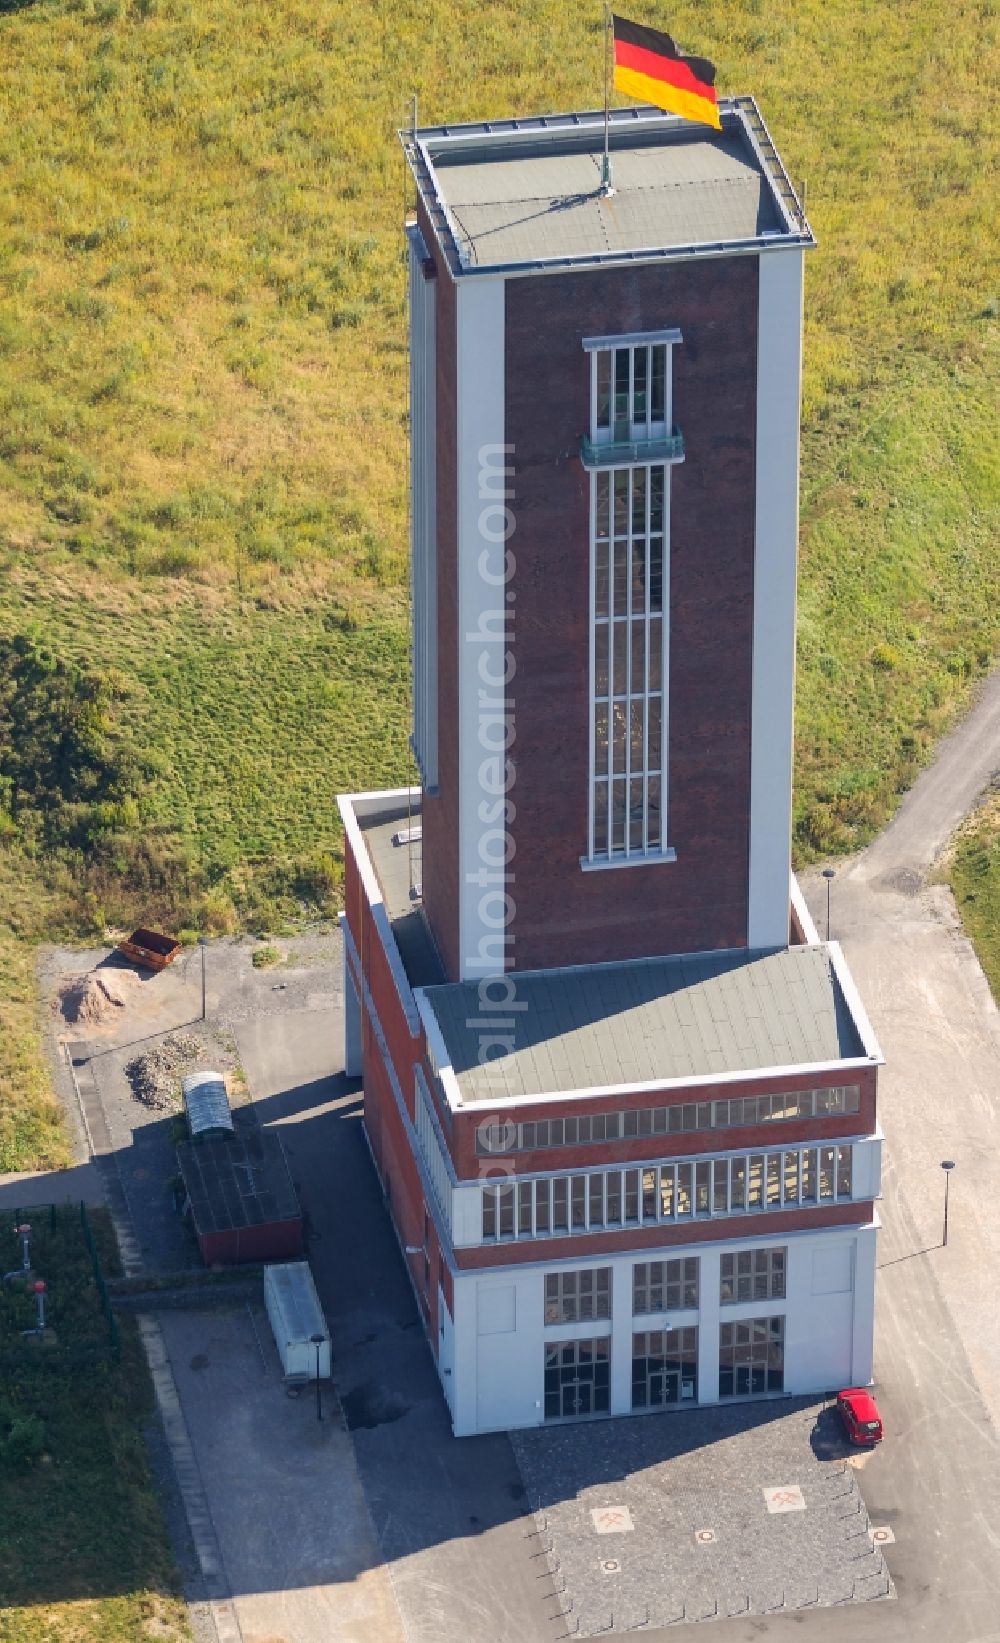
[620,1097]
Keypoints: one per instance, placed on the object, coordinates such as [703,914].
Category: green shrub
[23,1442]
[886,657]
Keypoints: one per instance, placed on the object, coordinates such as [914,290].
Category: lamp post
[203,943]
[829,875]
[947,1164]
[317,1341]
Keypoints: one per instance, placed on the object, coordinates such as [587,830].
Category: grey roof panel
[663,1019]
[701,189]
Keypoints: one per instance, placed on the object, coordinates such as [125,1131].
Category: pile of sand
[93,998]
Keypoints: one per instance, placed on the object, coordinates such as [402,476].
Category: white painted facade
[497,1341]
[423,509]
[485,524]
[779,376]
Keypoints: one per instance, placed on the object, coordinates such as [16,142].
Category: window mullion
[631,391]
[647,842]
[629,492]
[593,393]
[649,390]
[664,654]
[594,481]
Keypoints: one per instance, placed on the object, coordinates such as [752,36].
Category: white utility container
[296,1316]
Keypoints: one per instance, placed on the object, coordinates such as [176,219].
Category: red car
[859,1413]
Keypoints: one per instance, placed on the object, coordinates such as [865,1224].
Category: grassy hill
[973,871]
[202,407]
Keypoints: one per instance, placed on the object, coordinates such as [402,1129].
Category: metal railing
[616,453]
[779,176]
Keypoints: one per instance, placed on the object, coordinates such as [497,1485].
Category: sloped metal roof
[207,1103]
[658,1020]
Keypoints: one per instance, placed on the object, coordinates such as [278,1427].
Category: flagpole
[606,160]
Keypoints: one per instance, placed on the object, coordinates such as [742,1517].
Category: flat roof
[652,1021]
[525,194]
[398,869]
[238,1181]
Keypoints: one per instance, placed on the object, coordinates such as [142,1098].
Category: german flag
[650,68]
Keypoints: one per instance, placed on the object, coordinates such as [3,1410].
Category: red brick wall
[587,1247]
[387,1136]
[403,1047]
[700,902]
[440,814]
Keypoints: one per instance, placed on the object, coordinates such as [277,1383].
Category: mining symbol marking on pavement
[786,1497]
[612,1520]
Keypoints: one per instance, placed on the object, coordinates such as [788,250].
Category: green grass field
[84,1555]
[973,871]
[202,405]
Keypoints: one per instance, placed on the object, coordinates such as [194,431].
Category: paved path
[946,791]
[22,1190]
[937,1343]
[939,1095]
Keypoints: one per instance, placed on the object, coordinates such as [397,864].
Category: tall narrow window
[630,503]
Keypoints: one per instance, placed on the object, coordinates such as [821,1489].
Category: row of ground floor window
[577,1295]
[664,1368]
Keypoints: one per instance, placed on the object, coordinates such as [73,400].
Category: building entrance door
[577,1379]
[664,1368]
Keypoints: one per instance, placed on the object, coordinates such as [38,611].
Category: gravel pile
[155,1077]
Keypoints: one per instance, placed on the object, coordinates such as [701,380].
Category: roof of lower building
[397,860]
[241,1180]
[649,1022]
[523,194]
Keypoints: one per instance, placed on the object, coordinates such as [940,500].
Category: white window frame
[767,1261]
[571,1289]
[497,1136]
[600,787]
[672,1192]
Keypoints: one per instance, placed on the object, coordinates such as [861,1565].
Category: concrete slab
[657,1481]
[300,1558]
[81,1182]
[291,1051]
